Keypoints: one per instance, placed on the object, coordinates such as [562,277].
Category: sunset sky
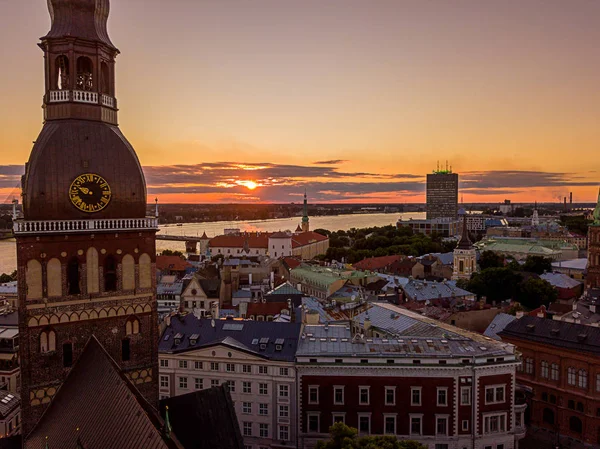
[354,100]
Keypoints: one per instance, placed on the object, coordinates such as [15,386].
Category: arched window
[571,376]
[54,278]
[73,277]
[548,416]
[545,369]
[62,79]
[92,271]
[582,381]
[575,424]
[105,79]
[132,326]
[33,278]
[47,341]
[128,267]
[145,271]
[110,274]
[85,70]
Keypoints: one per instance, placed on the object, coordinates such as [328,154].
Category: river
[8,258]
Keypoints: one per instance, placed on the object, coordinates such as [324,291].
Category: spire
[596,214]
[156,201]
[305,225]
[465,241]
[167,429]
[46,447]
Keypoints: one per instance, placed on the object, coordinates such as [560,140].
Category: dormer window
[177,339]
[194,339]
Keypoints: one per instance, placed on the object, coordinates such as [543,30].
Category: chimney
[571,198]
[312,317]
[214,309]
[243,309]
[250,278]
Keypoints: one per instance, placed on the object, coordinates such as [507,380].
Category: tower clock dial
[90,193]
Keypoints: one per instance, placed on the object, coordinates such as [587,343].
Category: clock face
[90,193]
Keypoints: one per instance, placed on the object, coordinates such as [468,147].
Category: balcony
[81,96]
[23,227]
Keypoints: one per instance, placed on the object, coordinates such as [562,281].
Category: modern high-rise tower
[85,248]
[442,194]
[592,279]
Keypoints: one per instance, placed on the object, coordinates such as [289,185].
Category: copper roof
[82,19]
[99,400]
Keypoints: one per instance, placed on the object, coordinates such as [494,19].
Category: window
[198,383]
[110,274]
[575,424]
[442,396]
[125,350]
[47,341]
[164,363]
[246,408]
[580,407]
[72,277]
[214,382]
[529,366]
[246,387]
[67,355]
[247,429]
[338,395]
[230,368]
[415,425]
[582,379]
[284,372]
[164,381]
[284,391]
[545,397]
[571,376]
[313,394]
[339,417]
[197,365]
[554,371]
[465,395]
[262,388]
[441,427]
[390,395]
[262,369]
[214,366]
[415,396]
[545,369]
[552,399]
[389,425]
[494,394]
[263,430]
[313,422]
[284,433]
[231,385]
[183,364]
[465,425]
[363,395]
[364,424]
[571,404]
[284,411]
[494,423]
[183,382]
[247,369]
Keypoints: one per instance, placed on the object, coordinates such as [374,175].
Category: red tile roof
[255,240]
[174,263]
[307,238]
[266,308]
[108,410]
[292,262]
[376,263]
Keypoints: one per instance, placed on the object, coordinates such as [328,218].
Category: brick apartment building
[447,388]
[561,371]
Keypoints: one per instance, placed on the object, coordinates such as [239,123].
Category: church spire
[465,241]
[596,213]
[305,220]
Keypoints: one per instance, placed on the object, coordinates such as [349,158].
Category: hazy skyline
[353,100]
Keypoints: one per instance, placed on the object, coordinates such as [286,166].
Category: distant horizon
[355,101]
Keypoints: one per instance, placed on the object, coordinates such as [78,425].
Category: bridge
[191,242]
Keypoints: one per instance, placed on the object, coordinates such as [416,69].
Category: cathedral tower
[85,248]
[592,279]
[465,256]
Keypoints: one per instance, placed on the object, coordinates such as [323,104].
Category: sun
[250,185]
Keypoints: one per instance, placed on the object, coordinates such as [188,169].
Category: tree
[496,284]
[537,264]
[168,252]
[490,259]
[4,278]
[324,232]
[344,437]
[535,292]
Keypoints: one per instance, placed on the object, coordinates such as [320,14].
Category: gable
[194,287]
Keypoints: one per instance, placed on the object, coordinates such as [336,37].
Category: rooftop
[255,337]
[498,324]
[570,336]
[417,290]
[560,280]
[573,264]
[8,403]
[325,276]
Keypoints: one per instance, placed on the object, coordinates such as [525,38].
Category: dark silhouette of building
[442,195]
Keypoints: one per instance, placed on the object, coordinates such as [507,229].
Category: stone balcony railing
[81,96]
[32,227]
